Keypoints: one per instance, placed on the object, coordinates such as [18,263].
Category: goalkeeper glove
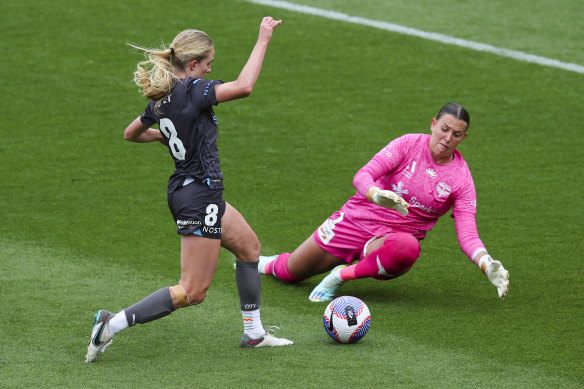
[497,274]
[387,199]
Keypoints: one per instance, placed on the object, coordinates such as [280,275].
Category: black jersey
[188,124]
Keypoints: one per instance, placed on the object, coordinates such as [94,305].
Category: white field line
[503,52]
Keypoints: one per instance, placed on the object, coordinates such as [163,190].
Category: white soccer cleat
[325,291]
[267,340]
[263,261]
[101,337]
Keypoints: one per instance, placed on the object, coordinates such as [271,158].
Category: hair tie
[171,51]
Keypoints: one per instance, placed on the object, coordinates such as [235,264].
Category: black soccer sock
[249,285]
[155,306]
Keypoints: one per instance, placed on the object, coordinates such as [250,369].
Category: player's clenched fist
[267,27]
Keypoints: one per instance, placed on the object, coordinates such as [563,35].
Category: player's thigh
[310,259]
[198,261]
[373,245]
[238,237]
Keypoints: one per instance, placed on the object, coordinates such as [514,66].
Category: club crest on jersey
[443,189]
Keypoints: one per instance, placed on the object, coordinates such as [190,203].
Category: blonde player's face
[447,133]
[202,68]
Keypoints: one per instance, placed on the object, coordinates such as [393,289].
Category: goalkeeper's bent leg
[395,257]
[279,269]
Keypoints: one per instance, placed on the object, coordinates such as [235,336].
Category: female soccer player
[401,193]
[181,104]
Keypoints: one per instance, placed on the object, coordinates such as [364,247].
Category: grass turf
[85,224]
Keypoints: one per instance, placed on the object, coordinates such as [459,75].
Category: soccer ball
[346,319]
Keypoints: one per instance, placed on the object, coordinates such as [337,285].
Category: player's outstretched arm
[243,86]
[495,272]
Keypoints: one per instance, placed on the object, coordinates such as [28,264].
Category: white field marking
[518,55]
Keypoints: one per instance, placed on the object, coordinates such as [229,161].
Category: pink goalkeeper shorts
[342,238]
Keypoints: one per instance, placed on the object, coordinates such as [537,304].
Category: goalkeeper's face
[447,133]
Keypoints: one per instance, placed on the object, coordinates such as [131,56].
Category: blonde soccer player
[181,105]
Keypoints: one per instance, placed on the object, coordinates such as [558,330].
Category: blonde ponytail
[155,76]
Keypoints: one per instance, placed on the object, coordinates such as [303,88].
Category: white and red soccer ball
[346,319]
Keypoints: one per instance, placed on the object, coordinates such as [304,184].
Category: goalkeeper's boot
[325,291]
[101,337]
[267,340]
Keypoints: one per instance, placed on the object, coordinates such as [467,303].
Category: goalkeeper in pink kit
[401,193]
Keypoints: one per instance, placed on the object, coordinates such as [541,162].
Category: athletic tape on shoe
[181,295]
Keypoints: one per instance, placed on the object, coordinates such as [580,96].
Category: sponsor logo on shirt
[410,170]
[431,173]
[206,92]
[212,230]
[414,203]
[388,153]
[187,223]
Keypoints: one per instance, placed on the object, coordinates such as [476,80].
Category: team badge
[443,189]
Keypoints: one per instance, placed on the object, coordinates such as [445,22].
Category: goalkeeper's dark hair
[456,110]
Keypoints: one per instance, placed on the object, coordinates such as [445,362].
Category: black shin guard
[249,285]
[155,306]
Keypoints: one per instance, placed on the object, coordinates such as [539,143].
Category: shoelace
[272,330]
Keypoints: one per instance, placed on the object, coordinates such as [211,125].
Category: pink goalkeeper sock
[279,268]
[348,273]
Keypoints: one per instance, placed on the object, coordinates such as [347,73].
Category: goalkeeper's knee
[394,258]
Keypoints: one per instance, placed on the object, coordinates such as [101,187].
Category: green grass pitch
[85,225]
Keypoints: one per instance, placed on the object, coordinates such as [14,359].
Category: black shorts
[197,210]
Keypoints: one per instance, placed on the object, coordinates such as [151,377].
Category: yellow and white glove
[496,273]
[387,199]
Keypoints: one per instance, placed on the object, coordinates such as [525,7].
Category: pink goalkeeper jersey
[406,167]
